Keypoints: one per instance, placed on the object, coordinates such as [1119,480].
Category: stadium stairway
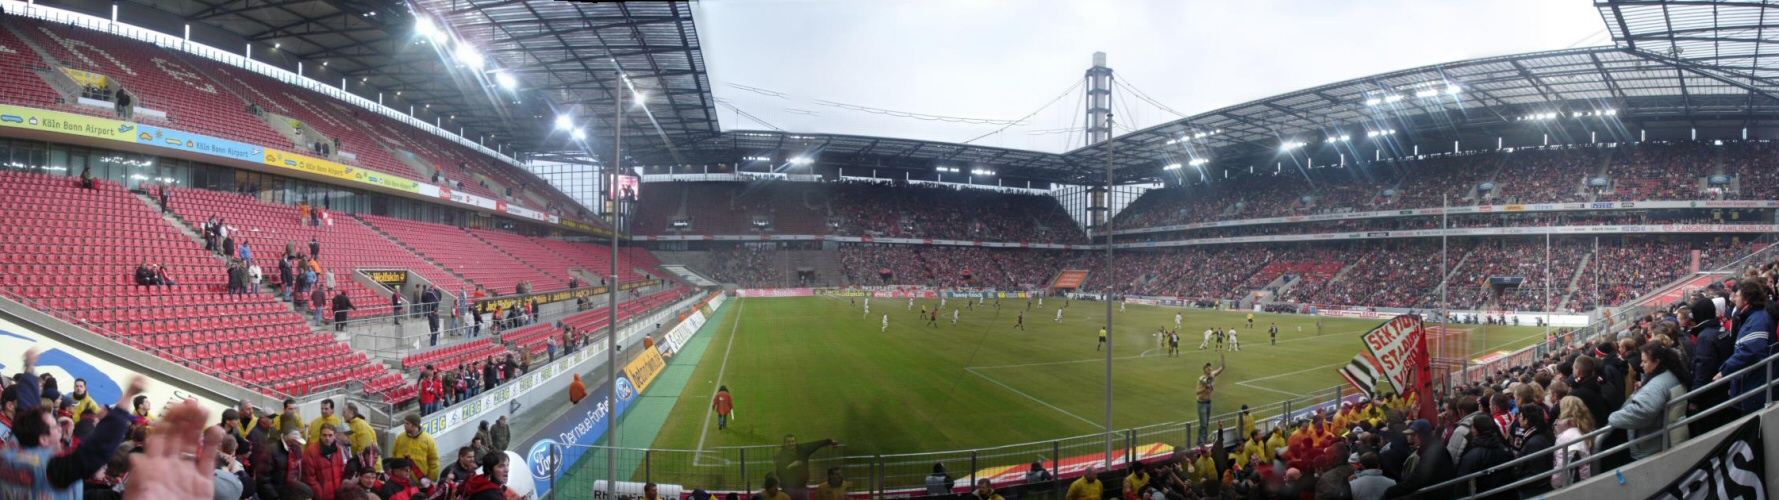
[827,268]
[32,43]
[191,231]
[1575,282]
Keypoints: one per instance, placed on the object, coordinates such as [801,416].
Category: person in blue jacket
[1753,322]
[38,467]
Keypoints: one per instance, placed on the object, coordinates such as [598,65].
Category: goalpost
[1450,349]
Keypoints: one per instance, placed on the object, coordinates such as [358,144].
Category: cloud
[1003,60]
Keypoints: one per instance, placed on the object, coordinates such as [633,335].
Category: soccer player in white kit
[954,316]
[867,308]
[911,303]
[1059,316]
[941,302]
[1177,316]
[1234,345]
[885,323]
[1207,342]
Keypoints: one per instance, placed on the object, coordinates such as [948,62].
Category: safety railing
[381,338]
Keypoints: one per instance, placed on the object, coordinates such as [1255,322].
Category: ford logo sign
[625,391]
[543,459]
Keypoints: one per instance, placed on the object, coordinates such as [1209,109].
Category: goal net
[1450,348]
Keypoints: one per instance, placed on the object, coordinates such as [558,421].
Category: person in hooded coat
[577,390]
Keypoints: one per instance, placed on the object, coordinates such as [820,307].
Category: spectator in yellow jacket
[1274,443]
[1257,448]
[417,446]
[290,415]
[328,419]
[363,436]
[249,420]
[83,404]
[1088,486]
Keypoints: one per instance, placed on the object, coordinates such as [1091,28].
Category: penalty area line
[1028,396]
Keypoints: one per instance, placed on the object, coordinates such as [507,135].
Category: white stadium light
[981,172]
[563,122]
[1287,146]
[756,158]
[580,134]
[1453,90]
[642,97]
[428,29]
[1373,101]
[506,81]
[801,160]
[1427,93]
[1198,162]
[469,56]
[1392,98]
[1171,166]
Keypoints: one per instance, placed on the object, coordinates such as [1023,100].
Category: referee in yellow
[1102,339]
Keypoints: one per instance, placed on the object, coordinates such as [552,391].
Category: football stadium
[841,250]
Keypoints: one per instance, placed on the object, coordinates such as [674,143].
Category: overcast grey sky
[1001,60]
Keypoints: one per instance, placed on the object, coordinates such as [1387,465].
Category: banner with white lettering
[1392,345]
[1732,470]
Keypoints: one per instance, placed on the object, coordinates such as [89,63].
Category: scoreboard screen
[629,187]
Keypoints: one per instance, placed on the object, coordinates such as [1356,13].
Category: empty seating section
[211,98]
[75,250]
[159,79]
[530,252]
[311,110]
[20,86]
[346,247]
[596,258]
[461,253]
[453,356]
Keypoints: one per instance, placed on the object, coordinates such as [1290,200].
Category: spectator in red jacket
[724,404]
[324,464]
[431,390]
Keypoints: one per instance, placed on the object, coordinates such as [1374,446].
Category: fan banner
[1732,470]
[1399,349]
[1392,345]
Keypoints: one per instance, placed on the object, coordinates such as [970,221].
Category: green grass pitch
[819,368]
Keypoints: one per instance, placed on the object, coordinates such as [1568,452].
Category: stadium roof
[1675,64]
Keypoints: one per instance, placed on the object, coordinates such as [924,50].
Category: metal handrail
[1664,432]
